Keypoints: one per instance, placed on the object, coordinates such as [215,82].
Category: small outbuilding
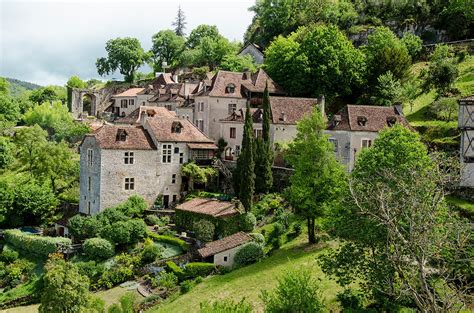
[222,252]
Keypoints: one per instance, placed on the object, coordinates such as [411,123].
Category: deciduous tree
[167,47]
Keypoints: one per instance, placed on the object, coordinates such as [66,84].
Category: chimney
[322,105]
[282,116]
[398,108]
[175,78]
[143,116]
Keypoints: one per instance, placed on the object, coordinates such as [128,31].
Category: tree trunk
[311,233]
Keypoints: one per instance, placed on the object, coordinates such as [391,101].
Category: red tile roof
[131,92]
[136,138]
[161,130]
[134,117]
[289,110]
[202,146]
[366,118]
[212,207]
[224,244]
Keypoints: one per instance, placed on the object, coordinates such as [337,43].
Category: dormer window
[337,119]
[121,135]
[230,88]
[282,116]
[176,127]
[391,120]
[361,120]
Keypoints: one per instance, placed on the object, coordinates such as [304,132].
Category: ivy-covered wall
[224,226]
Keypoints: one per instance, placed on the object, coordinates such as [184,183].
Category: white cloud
[47,41]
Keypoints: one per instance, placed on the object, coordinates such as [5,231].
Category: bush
[227,305]
[168,280]
[250,253]
[152,220]
[98,249]
[175,269]
[186,286]
[297,291]
[444,109]
[204,230]
[133,206]
[196,269]
[350,299]
[91,269]
[150,253]
[8,255]
[40,245]
[258,238]
[247,222]
[297,229]
[170,240]
[277,230]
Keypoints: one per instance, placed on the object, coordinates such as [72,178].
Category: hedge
[175,269]
[196,269]
[250,253]
[98,249]
[170,240]
[41,245]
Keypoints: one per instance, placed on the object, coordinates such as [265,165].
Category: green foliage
[180,23]
[442,71]
[48,94]
[82,227]
[319,180]
[388,90]
[8,255]
[445,109]
[237,63]
[196,269]
[413,44]
[152,220]
[123,269]
[226,306]
[4,86]
[248,254]
[9,109]
[201,31]
[134,206]
[246,163]
[17,272]
[209,52]
[150,252]
[204,230]
[264,154]
[297,291]
[247,222]
[170,240]
[186,286]
[258,238]
[75,82]
[92,269]
[123,54]
[98,249]
[65,290]
[168,280]
[350,300]
[6,152]
[40,245]
[167,47]
[197,174]
[269,204]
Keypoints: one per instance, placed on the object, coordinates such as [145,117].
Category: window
[175,197]
[200,106]
[143,103]
[361,120]
[258,133]
[176,127]
[90,157]
[129,183]
[173,179]
[176,150]
[129,157]
[201,154]
[335,143]
[230,88]
[89,183]
[200,124]
[232,132]
[89,207]
[167,151]
[181,158]
[123,104]
[232,107]
[237,150]
[225,259]
[366,143]
[121,135]
[168,107]
[131,102]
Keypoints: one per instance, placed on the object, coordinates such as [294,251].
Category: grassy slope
[248,281]
[466,207]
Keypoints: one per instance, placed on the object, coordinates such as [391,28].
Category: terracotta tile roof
[134,116]
[136,138]
[288,110]
[468,98]
[163,79]
[212,207]
[366,118]
[224,244]
[239,116]
[131,92]
[203,146]
[161,130]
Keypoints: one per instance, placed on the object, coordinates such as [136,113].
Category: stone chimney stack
[322,105]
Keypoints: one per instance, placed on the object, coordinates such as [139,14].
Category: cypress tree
[264,154]
[247,164]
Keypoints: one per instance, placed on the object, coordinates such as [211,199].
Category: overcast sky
[47,41]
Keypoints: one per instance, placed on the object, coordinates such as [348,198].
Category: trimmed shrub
[186,286]
[40,245]
[150,253]
[133,206]
[170,240]
[250,253]
[247,222]
[258,238]
[196,269]
[175,269]
[297,229]
[98,249]
[8,255]
[152,220]
[204,230]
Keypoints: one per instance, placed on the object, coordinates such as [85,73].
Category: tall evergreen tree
[180,23]
[264,153]
[247,163]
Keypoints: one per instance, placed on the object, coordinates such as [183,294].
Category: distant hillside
[18,86]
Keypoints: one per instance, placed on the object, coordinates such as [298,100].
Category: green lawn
[247,282]
[465,207]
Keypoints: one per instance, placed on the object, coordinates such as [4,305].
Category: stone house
[285,112]
[466,125]
[355,127]
[255,51]
[226,92]
[129,100]
[118,161]
[222,252]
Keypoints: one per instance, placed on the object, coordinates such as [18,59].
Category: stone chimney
[398,108]
[322,105]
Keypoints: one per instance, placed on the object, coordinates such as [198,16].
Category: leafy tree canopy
[167,47]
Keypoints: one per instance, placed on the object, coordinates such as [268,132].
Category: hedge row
[195,269]
[170,240]
[41,245]
[175,269]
